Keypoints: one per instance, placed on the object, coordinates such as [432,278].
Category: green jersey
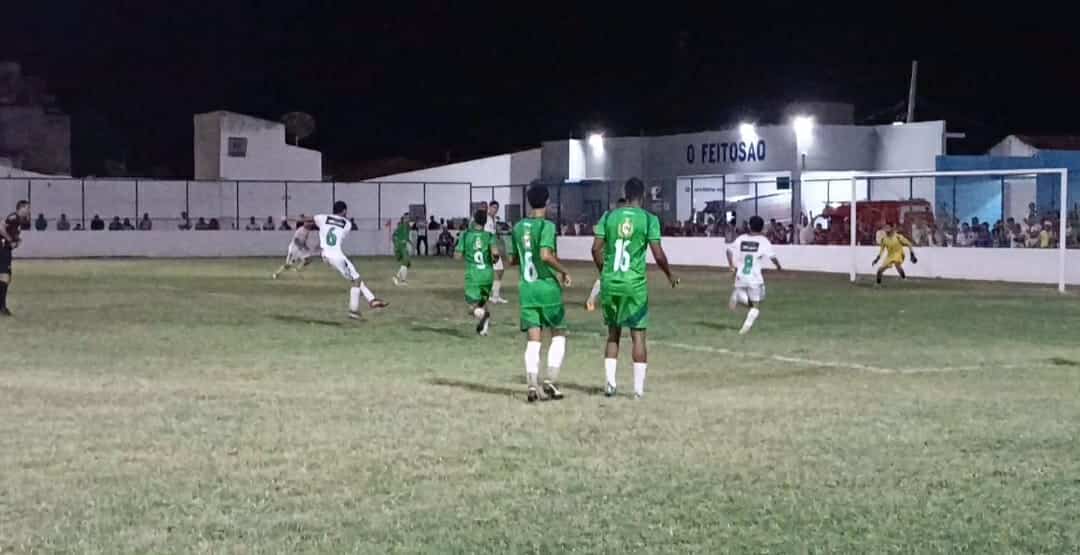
[539,283]
[401,234]
[475,247]
[627,233]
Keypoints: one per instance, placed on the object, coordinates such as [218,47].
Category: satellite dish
[300,125]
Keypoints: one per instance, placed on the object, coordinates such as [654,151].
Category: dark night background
[427,80]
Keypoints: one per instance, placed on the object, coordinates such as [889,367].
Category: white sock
[751,316]
[354,299]
[610,364]
[403,273]
[556,352]
[595,292]
[734,300]
[532,361]
[367,292]
[639,377]
[496,288]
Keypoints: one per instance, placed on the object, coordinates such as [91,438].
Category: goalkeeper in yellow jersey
[893,245]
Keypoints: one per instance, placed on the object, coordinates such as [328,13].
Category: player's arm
[549,258]
[776,262]
[459,251]
[881,252]
[911,249]
[598,243]
[731,261]
[4,234]
[652,234]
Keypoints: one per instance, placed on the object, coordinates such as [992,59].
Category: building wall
[267,156]
[1013,146]
[40,141]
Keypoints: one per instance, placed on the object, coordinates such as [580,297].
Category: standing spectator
[63,224]
[421,236]
[269,225]
[146,224]
[806,231]
[252,225]
[355,227]
[115,224]
[445,246]
[41,224]
[201,225]
[128,226]
[965,238]
[284,225]
[185,222]
[1045,239]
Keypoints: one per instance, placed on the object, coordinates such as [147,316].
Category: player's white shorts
[297,255]
[342,264]
[754,293]
[498,265]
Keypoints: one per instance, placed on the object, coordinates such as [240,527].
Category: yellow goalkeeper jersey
[894,245]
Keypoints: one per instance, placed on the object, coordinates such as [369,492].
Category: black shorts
[5,259]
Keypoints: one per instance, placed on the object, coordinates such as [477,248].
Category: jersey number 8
[748,265]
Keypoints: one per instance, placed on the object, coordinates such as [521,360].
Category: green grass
[197,406]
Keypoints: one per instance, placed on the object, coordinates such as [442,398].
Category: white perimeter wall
[1018,265]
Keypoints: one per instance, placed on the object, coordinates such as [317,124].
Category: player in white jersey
[332,232]
[746,257]
[299,254]
[492,226]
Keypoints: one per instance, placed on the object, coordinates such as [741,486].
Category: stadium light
[804,131]
[596,141]
[748,132]
[897,122]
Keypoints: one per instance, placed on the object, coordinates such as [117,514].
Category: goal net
[1018,225]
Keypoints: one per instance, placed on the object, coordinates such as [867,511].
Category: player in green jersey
[479,250]
[619,250]
[401,250]
[590,303]
[533,248]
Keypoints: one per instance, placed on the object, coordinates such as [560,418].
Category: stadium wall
[190,244]
[1013,265]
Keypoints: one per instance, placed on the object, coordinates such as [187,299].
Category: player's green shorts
[401,253]
[626,311]
[477,293]
[550,317]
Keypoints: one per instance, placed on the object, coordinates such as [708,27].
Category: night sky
[423,80]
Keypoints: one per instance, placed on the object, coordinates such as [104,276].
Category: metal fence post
[238,204]
[378,209]
[28,191]
[911,188]
[187,199]
[693,211]
[755,198]
[423,195]
[136,200]
[82,197]
[286,200]
[333,192]
[1003,200]
[956,212]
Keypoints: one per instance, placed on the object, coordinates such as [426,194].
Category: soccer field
[198,406]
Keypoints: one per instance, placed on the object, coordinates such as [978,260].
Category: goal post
[1061,200]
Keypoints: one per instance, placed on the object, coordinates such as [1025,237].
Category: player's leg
[358,289]
[530,323]
[590,304]
[554,318]
[5,279]
[611,359]
[478,295]
[738,297]
[881,272]
[900,270]
[641,360]
[754,296]
[401,252]
[496,287]
[286,265]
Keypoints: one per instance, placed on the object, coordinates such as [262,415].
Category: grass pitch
[197,406]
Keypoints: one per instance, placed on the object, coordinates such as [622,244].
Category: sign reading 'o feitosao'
[726,153]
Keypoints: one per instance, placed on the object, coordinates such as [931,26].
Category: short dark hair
[634,189]
[480,217]
[538,196]
[622,200]
[340,207]
[757,223]
[21,203]
[493,203]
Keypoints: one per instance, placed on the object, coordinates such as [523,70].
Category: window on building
[238,147]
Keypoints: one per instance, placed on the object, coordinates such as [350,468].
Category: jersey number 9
[478,257]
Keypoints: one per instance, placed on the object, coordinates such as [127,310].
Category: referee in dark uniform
[9,241]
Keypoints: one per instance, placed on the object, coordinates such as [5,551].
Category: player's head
[22,208]
[340,208]
[757,223]
[634,190]
[493,208]
[538,197]
[621,202]
[480,217]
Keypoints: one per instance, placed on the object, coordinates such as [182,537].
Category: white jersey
[492,225]
[300,237]
[750,253]
[332,233]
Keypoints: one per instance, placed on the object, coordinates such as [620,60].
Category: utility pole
[911,91]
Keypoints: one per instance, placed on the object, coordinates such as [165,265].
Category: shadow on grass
[452,332]
[291,319]
[476,387]
[1059,361]
[719,326]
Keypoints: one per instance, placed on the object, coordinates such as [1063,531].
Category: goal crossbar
[1063,174]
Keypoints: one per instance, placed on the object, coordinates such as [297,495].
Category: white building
[235,146]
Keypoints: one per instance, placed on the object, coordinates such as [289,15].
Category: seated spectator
[96,223]
[128,226]
[269,224]
[983,238]
[214,225]
[253,225]
[79,227]
[1045,236]
[284,225]
[41,224]
[821,237]
[115,224]
[185,222]
[146,224]
[445,244]
[966,237]
[63,224]
[201,225]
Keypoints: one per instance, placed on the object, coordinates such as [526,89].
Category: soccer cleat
[590,306]
[398,282]
[273,275]
[534,396]
[639,396]
[5,312]
[378,303]
[355,316]
[552,391]
[484,326]
[609,390]
[744,331]
[499,300]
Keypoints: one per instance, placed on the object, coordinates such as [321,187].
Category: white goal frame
[1063,174]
